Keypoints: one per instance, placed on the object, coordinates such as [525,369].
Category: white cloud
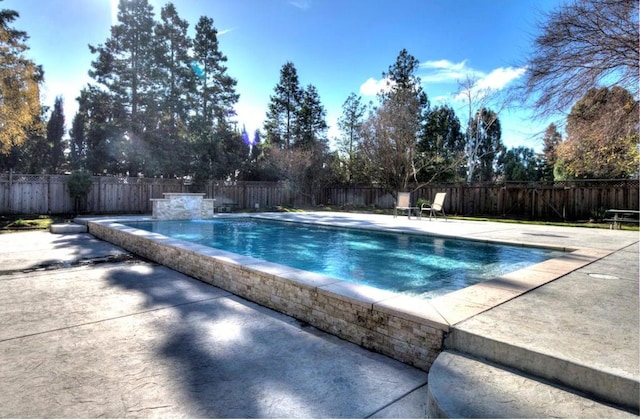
[444,64]
[225,31]
[490,83]
[301,4]
[448,72]
[500,77]
[372,87]
[444,71]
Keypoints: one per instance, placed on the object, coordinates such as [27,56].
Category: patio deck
[90,330]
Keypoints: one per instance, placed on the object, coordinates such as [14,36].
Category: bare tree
[389,142]
[483,123]
[584,44]
[292,166]
[389,137]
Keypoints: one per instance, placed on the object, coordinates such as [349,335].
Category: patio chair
[404,203]
[437,206]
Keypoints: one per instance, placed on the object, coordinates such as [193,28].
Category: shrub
[79,184]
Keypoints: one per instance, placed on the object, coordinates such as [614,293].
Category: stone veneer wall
[182,206]
[308,297]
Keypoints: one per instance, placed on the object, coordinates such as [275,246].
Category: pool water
[416,265]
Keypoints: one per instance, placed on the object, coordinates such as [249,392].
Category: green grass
[9,223]
[23,222]
[583,224]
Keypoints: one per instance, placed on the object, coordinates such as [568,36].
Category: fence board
[576,200]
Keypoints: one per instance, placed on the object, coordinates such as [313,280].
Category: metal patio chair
[437,206]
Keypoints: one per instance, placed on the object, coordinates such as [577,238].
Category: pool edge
[405,328]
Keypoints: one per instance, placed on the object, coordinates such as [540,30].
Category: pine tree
[216,93]
[218,146]
[350,123]
[55,132]
[78,142]
[551,140]
[442,142]
[311,125]
[174,82]
[102,118]
[284,107]
[125,67]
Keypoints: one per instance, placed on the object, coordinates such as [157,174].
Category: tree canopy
[161,103]
[602,135]
[20,80]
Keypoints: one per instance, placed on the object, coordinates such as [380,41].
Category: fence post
[10,189]
[48,194]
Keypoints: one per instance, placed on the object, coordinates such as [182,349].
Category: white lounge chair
[404,203]
[437,206]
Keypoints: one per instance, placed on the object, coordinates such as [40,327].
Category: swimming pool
[415,265]
[406,328]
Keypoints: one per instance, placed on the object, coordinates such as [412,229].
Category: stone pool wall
[182,206]
[382,321]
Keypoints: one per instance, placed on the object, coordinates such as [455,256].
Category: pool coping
[440,313]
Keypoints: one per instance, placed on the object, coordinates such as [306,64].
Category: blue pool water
[410,264]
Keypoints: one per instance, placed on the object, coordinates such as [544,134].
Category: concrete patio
[90,330]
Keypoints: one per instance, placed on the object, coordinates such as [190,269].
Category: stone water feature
[183,206]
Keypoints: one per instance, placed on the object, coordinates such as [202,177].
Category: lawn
[23,222]
[9,223]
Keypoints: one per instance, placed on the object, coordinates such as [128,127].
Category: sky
[339,46]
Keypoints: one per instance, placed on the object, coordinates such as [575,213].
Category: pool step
[68,228]
[606,386]
[463,386]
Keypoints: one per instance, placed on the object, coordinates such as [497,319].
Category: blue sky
[339,46]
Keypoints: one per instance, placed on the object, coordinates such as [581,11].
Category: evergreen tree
[552,138]
[218,147]
[102,117]
[78,142]
[215,88]
[125,67]
[310,136]
[311,125]
[174,82]
[55,132]
[284,108]
[443,143]
[350,123]
[519,164]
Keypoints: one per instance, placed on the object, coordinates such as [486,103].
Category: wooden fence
[567,200]
[571,200]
